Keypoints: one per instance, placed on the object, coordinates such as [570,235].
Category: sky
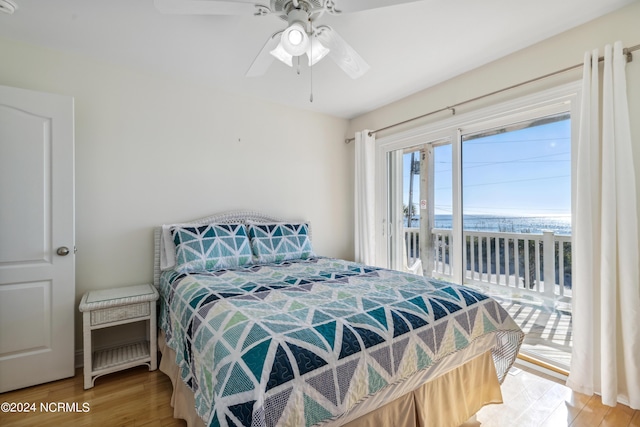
[517,173]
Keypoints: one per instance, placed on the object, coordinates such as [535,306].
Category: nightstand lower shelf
[113,359]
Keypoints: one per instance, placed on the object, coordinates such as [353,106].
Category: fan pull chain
[298,64]
[311,90]
[311,71]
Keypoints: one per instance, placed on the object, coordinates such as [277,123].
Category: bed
[259,331]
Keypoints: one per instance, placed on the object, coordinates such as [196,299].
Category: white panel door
[37,261]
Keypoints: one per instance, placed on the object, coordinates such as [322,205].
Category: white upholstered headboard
[233,217]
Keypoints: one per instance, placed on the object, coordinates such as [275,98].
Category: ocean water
[507,224]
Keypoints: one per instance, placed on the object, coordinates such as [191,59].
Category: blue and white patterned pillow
[277,242]
[211,247]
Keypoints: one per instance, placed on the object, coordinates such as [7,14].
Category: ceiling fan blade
[357,5]
[205,7]
[264,59]
[342,53]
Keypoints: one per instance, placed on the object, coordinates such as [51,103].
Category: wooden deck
[548,327]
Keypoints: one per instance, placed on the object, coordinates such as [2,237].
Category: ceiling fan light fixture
[316,51]
[295,39]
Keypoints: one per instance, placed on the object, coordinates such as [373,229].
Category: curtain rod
[626,51]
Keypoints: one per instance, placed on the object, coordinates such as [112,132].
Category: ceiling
[409,47]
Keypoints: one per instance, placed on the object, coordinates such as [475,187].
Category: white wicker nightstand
[110,307]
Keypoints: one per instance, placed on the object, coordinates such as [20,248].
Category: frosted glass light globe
[295,40]
[295,37]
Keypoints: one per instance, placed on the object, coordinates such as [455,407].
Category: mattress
[321,341]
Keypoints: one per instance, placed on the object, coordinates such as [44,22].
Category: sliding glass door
[516,204]
[486,201]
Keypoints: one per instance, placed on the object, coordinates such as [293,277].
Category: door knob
[63,251]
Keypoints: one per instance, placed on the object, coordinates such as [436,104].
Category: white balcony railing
[532,263]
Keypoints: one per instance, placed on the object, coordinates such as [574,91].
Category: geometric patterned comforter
[300,342]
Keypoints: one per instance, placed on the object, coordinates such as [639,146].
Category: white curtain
[606,289]
[365,198]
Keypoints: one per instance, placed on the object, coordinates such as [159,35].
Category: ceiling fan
[302,36]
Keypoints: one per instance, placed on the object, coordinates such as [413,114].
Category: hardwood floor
[533,399]
[137,397]
[132,398]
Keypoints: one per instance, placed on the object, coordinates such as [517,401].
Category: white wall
[152,150]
